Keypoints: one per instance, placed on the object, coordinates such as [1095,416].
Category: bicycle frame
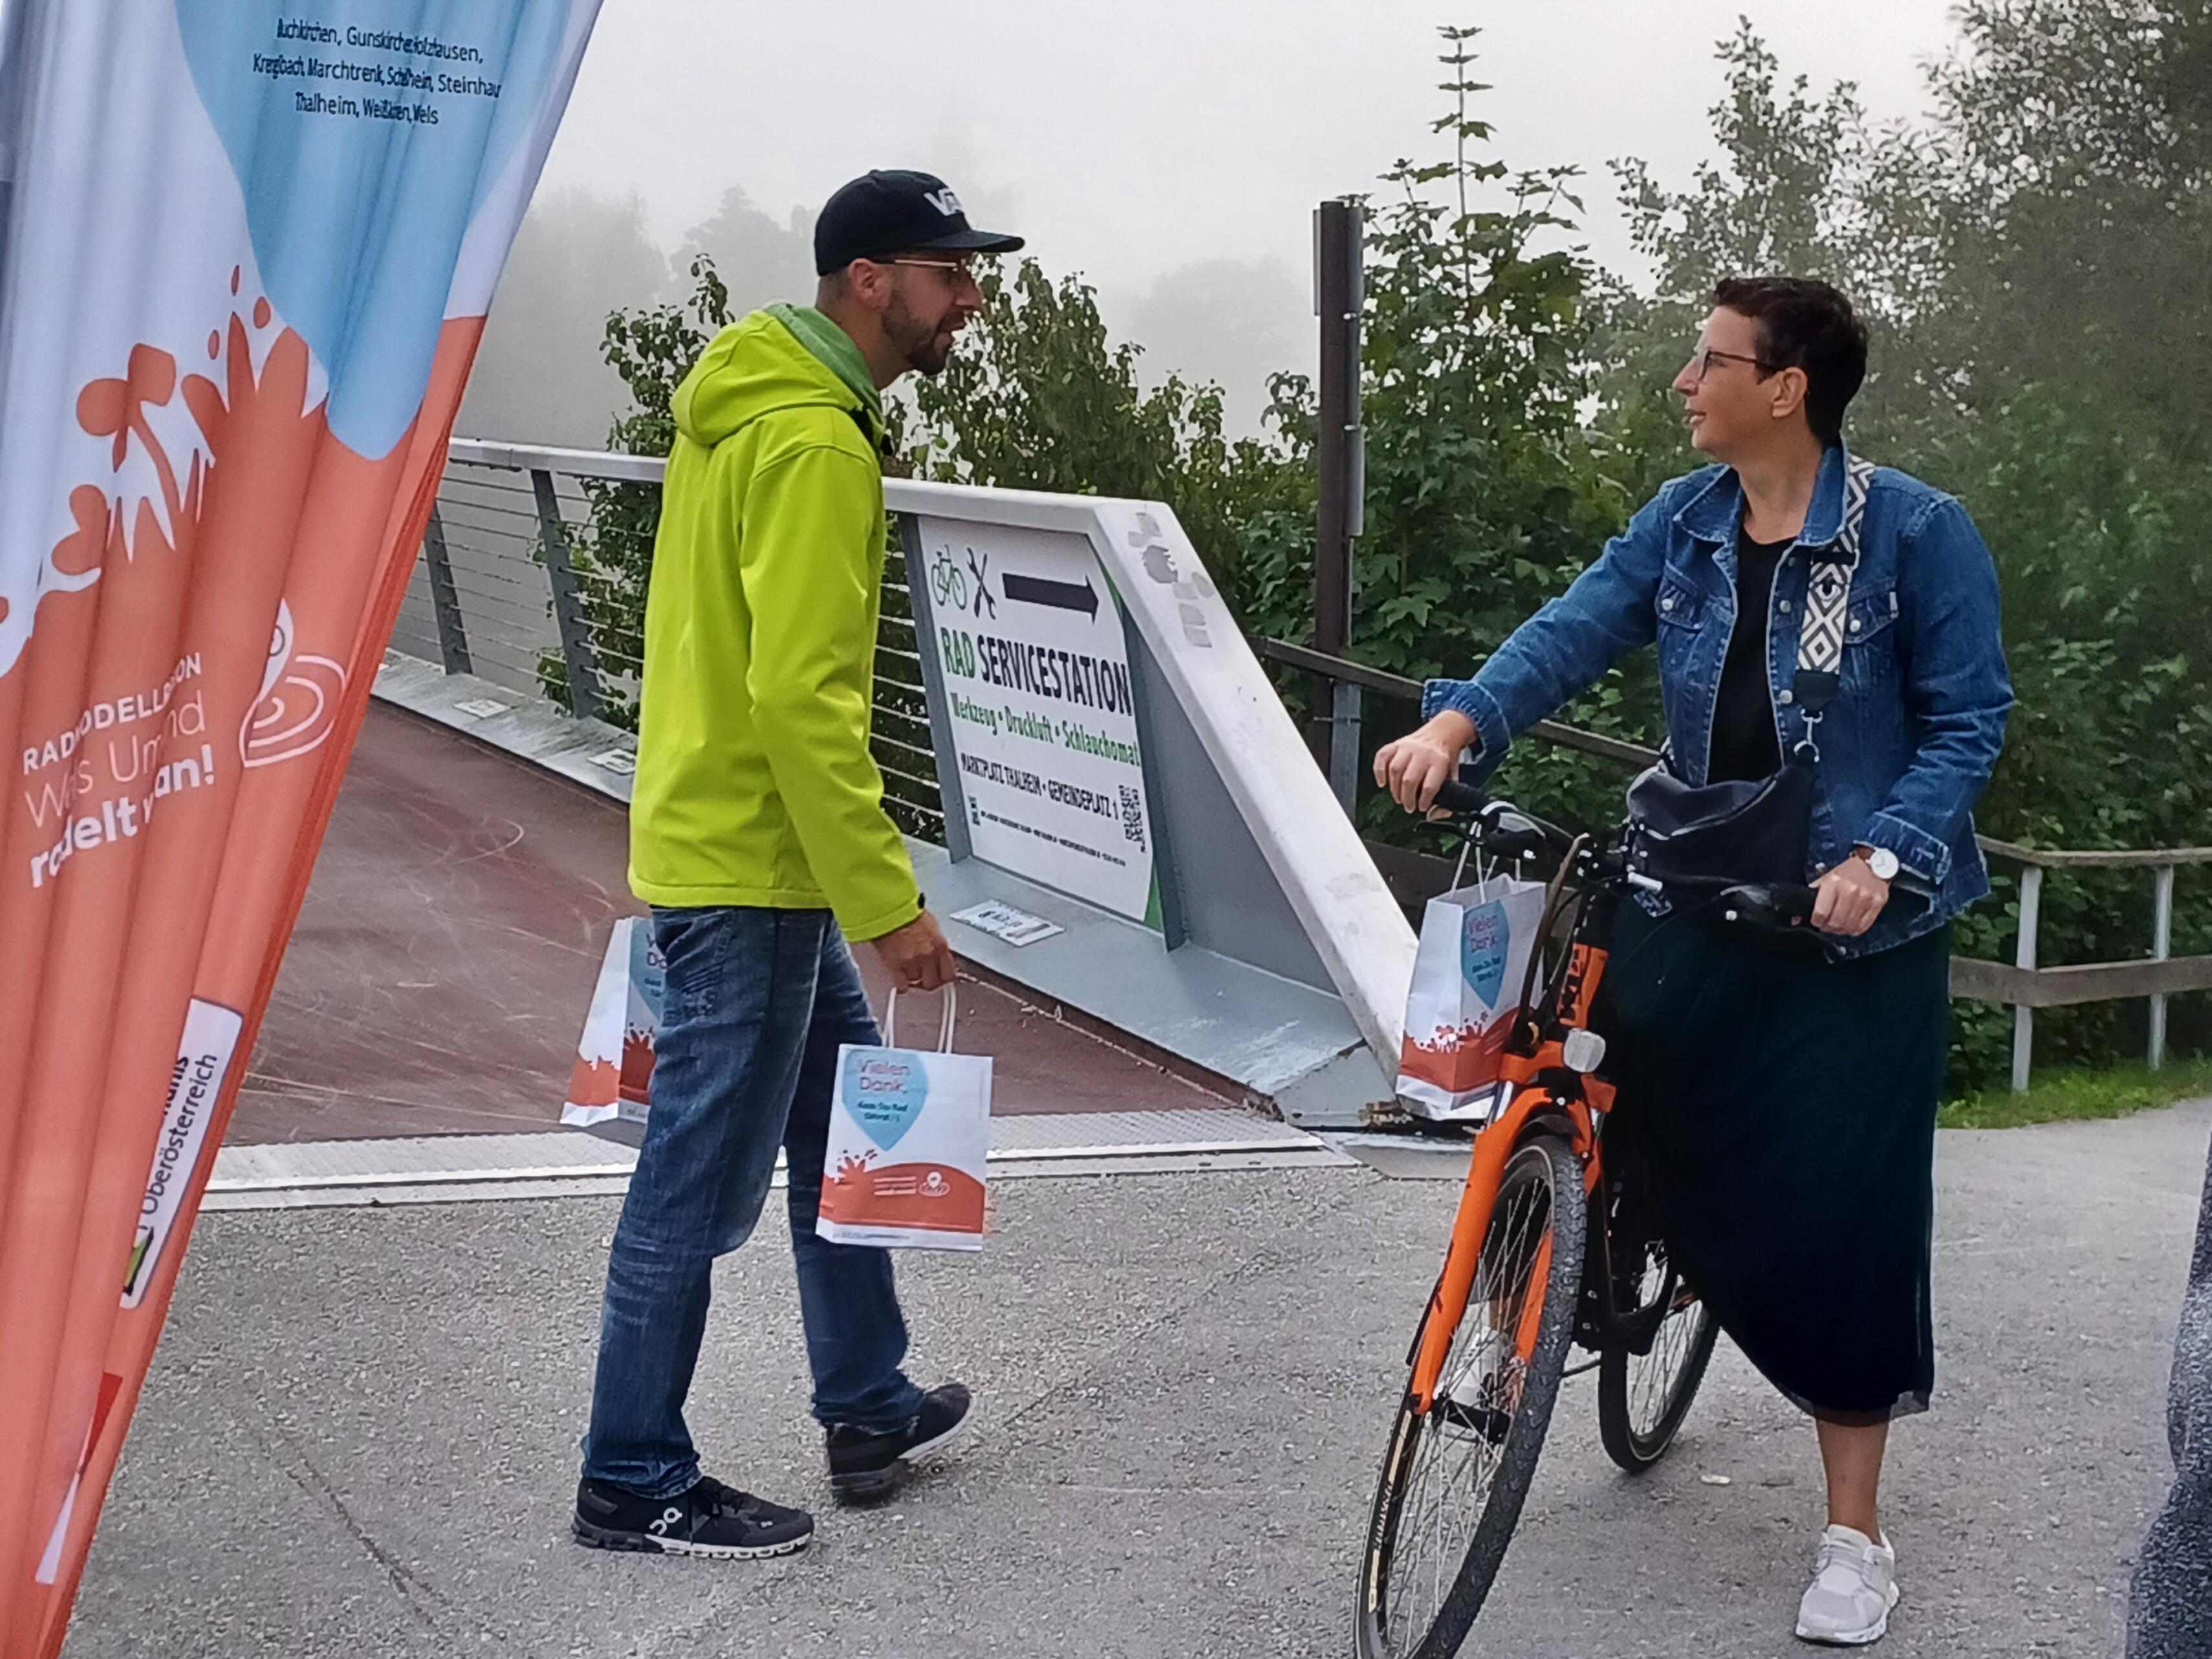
[1543,1086]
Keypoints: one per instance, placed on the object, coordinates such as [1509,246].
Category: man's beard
[917,343]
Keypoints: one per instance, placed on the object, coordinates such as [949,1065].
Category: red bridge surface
[437,981]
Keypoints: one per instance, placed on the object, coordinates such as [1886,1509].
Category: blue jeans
[2170,1606]
[757,1002]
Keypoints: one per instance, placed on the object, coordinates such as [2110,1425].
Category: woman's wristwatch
[1880,860]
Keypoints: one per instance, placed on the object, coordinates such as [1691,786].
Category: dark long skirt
[1786,1106]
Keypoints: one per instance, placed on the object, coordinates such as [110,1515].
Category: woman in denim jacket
[1785,1101]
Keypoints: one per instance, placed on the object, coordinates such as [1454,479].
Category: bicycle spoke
[1653,1377]
[1459,1447]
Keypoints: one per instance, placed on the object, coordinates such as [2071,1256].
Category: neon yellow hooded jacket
[755,785]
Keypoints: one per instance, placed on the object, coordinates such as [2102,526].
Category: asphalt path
[359,1439]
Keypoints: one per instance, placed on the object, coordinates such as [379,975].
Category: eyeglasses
[1705,357]
[958,270]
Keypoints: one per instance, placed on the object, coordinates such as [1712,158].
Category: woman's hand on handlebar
[1848,899]
[1416,766]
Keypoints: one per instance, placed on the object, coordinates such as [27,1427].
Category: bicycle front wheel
[1455,1475]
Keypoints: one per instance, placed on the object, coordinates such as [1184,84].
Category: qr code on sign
[1133,816]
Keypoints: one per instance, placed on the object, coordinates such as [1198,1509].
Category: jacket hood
[751,368]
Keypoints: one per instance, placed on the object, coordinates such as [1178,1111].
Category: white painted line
[419,1178]
[1013,1169]
[443,1169]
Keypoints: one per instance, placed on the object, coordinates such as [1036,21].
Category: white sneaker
[1854,1587]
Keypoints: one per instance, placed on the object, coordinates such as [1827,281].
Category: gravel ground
[359,1440]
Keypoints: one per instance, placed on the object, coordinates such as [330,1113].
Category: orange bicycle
[1553,1245]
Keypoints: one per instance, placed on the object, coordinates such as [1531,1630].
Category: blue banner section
[365,135]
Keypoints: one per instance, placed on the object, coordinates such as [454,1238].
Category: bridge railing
[523,584]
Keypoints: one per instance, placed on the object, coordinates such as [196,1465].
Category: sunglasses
[961,269]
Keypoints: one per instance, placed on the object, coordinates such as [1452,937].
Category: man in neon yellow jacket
[759,836]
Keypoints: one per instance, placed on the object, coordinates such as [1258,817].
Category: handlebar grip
[1464,799]
[1780,905]
[1794,899]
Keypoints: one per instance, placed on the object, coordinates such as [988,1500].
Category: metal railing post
[567,602]
[445,603]
[1339,302]
[1344,745]
[2023,1017]
[2162,950]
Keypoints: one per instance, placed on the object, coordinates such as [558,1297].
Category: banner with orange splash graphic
[247,247]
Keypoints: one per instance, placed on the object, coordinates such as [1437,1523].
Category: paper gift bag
[1468,974]
[614,1061]
[907,1135]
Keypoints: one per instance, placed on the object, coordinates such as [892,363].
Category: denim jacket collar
[1715,514]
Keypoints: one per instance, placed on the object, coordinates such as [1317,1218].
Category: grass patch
[2065,1095]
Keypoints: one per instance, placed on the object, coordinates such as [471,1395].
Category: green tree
[2082,135]
[757,259]
[539,375]
[1799,183]
[2030,263]
[1485,492]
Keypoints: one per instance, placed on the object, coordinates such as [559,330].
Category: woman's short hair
[1805,323]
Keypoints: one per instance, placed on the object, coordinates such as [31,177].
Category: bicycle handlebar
[1507,832]
[1781,906]
[1503,827]
[1461,800]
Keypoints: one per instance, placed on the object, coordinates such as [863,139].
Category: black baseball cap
[894,211]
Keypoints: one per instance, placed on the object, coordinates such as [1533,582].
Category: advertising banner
[247,247]
[1034,657]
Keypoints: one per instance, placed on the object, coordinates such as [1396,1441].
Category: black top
[1744,743]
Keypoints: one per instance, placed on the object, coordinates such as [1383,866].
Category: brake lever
[1515,843]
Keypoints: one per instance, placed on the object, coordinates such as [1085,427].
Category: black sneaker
[866,1466]
[711,1519]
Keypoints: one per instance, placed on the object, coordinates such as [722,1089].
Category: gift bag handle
[945,1026]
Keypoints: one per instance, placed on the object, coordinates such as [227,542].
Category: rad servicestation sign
[1035,662]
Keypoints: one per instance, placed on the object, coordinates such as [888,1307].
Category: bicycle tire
[1544,1162]
[1625,1380]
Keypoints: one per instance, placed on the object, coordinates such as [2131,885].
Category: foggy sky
[1160,145]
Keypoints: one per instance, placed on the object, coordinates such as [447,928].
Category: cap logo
[944,202]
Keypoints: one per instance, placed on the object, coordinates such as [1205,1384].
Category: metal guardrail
[1347,672]
[520,584]
[2022,985]
[514,587]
